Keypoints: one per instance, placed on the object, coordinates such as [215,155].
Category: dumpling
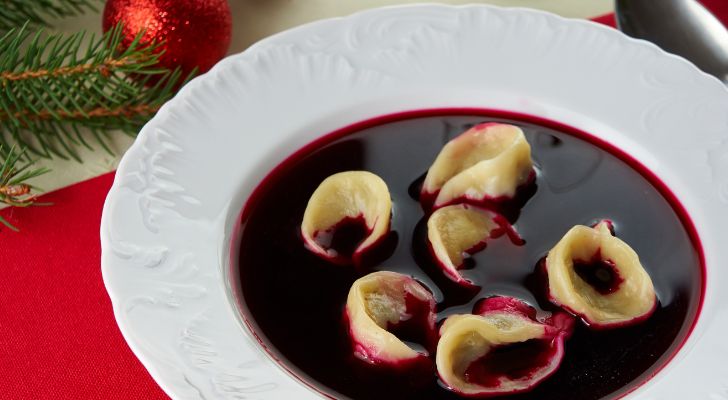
[598,277]
[380,306]
[501,349]
[347,215]
[455,230]
[486,163]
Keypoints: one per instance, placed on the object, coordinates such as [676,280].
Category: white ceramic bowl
[171,214]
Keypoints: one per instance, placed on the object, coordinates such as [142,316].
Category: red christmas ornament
[196,32]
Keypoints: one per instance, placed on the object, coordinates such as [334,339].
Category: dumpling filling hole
[510,362]
[408,319]
[342,239]
[602,275]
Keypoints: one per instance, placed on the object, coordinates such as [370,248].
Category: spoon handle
[683,27]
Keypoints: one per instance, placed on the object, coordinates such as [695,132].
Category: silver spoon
[683,27]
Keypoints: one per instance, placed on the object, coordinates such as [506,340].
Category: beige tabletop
[252,21]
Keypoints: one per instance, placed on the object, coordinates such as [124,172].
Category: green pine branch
[15,173]
[15,13]
[52,86]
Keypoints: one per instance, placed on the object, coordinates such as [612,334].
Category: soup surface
[295,300]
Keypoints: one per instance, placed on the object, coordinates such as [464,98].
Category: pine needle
[14,13]
[52,85]
[14,176]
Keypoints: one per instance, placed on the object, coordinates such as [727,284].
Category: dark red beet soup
[294,299]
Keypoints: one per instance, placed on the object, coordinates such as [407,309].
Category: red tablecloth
[58,337]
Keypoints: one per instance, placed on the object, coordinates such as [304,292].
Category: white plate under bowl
[172,211]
